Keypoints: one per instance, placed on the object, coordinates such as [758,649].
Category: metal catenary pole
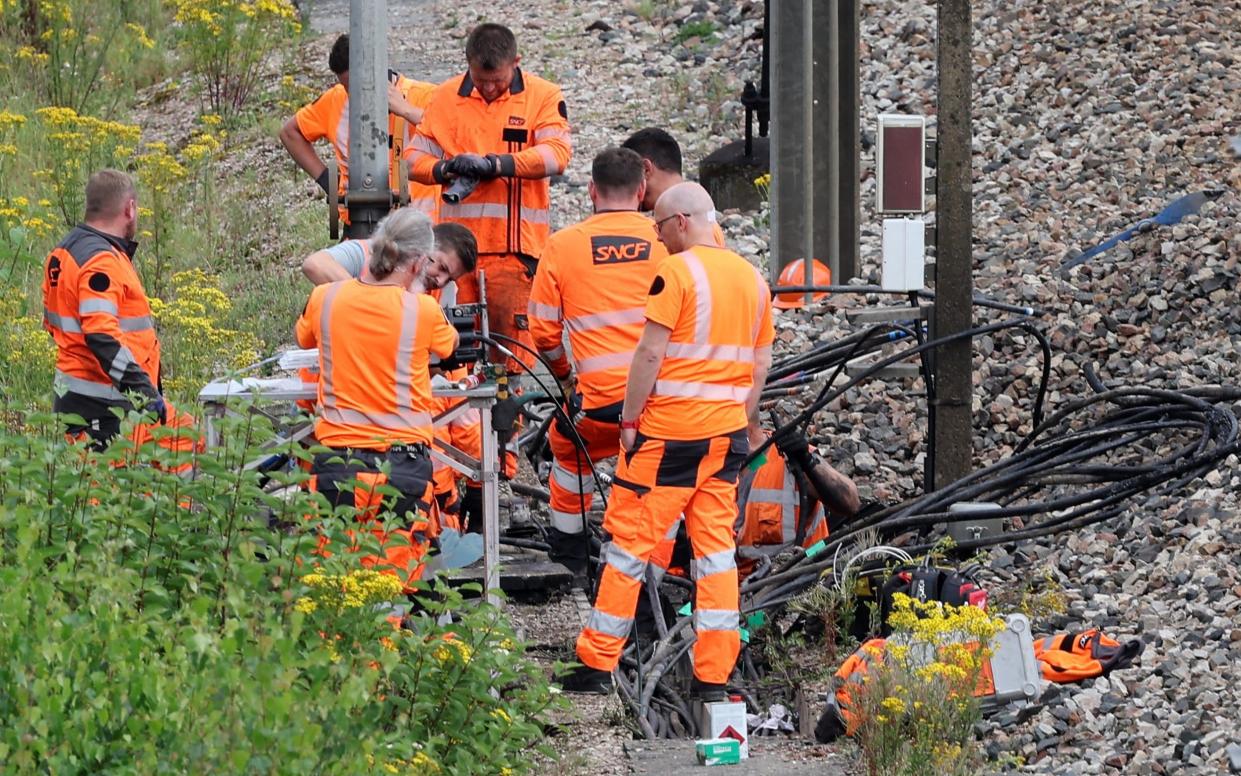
[369,198]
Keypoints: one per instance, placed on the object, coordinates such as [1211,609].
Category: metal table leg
[491,504]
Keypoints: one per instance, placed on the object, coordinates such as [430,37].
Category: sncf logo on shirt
[618,249]
[516,121]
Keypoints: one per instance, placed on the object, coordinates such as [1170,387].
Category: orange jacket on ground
[374,346]
[327,118]
[593,278]
[527,127]
[97,311]
[769,503]
[719,310]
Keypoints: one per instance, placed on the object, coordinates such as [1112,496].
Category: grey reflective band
[555,354]
[787,499]
[715,563]
[702,298]
[66,382]
[708,391]
[65,323]
[461,210]
[550,132]
[325,344]
[623,562]
[609,624]
[551,165]
[743,355]
[389,421]
[603,320]
[545,311]
[676,527]
[567,522]
[139,323]
[88,306]
[572,482]
[716,620]
[404,370]
[120,364]
[604,362]
[426,144]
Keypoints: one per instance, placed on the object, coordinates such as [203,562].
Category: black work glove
[793,445]
[471,166]
[322,180]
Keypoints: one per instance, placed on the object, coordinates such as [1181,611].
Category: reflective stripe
[623,562]
[64,382]
[567,522]
[87,306]
[702,298]
[424,204]
[603,320]
[65,323]
[123,360]
[609,624]
[819,518]
[550,132]
[389,421]
[551,165]
[555,354]
[484,210]
[675,529]
[708,391]
[711,352]
[545,311]
[140,323]
[716,620]
[788,501]
[535,215]
[606,361]
[570,481]
[325,345]
[424,143]
[715,563]
[405,355]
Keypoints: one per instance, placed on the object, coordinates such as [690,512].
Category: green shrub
[154,624]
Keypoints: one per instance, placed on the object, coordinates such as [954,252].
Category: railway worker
[592,279]
[455,255]
[509,130]
[692,390]
[661,165]
[771,497]
[375,339]
[327,118]
[95,308]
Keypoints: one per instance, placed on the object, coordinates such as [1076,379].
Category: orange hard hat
[795,275]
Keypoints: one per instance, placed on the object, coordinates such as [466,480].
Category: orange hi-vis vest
[769,502]
[374,346]
[527,127]
[719,310]
[96,310]
[593,278]
[327,118]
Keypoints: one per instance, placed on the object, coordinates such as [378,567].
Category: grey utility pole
[954,263]
[815,134]
[369,198]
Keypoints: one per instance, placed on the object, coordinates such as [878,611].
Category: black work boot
[707,692]
[585,680]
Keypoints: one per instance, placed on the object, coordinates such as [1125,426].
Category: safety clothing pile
[375,402]
[691,442]
[524,134]
[592,280]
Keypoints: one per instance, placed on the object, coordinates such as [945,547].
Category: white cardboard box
[719,717]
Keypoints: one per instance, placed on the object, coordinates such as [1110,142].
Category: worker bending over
[661,166]
[593,279]
[327,118]
[375,338]
[774,490]
[95,308]
[509,130]
[693,387]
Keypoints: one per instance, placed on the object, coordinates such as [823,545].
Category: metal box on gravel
[1014,671]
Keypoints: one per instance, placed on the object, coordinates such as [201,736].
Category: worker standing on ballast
[661,167]
[693,388]
[593,278]
[96,309]
[327,118]
[509,131]
[375,338]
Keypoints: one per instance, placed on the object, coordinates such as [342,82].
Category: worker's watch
[629,424]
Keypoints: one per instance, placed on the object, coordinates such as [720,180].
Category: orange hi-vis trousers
[655,483]
[572,485]
[509,281]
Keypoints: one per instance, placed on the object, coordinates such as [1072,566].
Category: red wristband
[629,424]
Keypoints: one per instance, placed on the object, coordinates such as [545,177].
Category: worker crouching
[375,338]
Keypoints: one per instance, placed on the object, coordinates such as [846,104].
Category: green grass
[704,30]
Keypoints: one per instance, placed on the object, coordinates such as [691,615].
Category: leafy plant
[702,29]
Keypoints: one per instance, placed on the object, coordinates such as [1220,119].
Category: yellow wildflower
[8,119]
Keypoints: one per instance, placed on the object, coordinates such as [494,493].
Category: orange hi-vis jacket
[96,310]
[719,310]
[327,118]
[374,346]
[527,127]
[769,504]
[593,278]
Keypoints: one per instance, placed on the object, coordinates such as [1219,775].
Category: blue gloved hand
[160,408]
